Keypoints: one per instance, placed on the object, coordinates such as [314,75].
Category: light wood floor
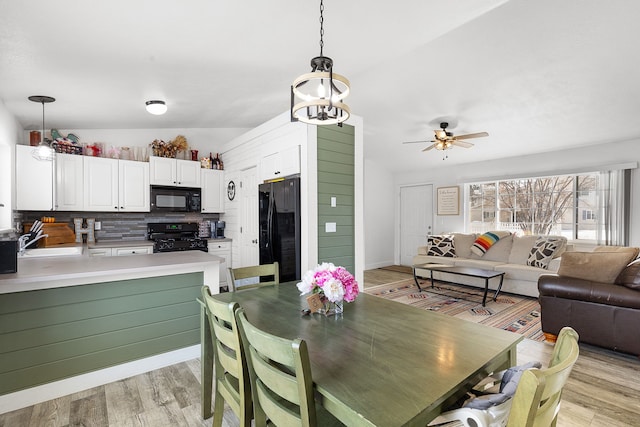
[603,390]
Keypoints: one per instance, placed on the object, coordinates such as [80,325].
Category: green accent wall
[52,334]
[336,178]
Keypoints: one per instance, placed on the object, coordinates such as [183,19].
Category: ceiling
[537,76]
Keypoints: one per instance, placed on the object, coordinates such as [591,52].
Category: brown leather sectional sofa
[605,313]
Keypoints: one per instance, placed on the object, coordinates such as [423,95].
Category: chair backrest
[280,377]
[261,271]
[537,399]
[231,370]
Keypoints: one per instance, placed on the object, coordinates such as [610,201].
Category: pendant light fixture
[42,151]
[156,107]
[316,97]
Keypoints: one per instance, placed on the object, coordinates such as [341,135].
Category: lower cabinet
[121,251]
[223,250]
[99,251]
[139,250]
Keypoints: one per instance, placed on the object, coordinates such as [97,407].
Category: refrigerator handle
[270,227]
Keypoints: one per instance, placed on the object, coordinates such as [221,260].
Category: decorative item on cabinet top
[212,162]
[170,149]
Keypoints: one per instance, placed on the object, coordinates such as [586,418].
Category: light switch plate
[97,225]
[333,202]
[330,227]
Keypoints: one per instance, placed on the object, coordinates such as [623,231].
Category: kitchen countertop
[53,272]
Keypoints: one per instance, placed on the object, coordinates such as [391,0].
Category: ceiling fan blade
[462,144]
[471,135]
[415,142]
[429,147]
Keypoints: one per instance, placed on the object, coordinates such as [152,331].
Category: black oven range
[175,236]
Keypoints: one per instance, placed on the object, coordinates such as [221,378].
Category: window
[567,205]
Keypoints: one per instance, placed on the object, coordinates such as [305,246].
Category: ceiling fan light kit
[447,140]
[317,97]
[42,151]
[156,107]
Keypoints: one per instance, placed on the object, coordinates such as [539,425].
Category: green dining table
[379,363]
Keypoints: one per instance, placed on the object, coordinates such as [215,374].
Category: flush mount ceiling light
[42,151]
[156,107]
[316,97]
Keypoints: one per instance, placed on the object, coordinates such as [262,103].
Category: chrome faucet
[22,245]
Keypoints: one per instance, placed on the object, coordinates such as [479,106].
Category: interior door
[248,192]
[416,219]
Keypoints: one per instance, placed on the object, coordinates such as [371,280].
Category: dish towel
[486,240]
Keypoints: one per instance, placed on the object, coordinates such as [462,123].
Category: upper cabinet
[212,190]
[100,184]
[34,181]
[112,185]
[69,182]
[280,164]
[133,186]
[174,172]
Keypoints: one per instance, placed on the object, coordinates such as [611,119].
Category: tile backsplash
[116,225]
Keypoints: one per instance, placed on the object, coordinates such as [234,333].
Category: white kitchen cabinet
[99,252]
[100,184]
[174,172]
[133,186]
[223,250]
[34,181]
[112,185]
[280,164]
[213,190]
[69,182]
[121,251]
[133,250]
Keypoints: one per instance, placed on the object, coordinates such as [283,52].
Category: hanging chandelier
[316,97]
[42,151]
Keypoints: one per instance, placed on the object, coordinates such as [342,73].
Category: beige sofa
[511,255]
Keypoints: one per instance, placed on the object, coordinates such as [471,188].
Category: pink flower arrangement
[336,284]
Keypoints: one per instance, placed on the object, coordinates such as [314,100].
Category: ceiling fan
[445,140]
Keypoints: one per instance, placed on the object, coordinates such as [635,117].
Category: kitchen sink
[45,252]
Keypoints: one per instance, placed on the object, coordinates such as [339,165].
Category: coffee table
[462,271]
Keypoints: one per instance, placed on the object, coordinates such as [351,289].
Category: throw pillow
[486,240]
[462,243]
[603,267]
[543,250]
[630,276]
[521,249]
[440,246]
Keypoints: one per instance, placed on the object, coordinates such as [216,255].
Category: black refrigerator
[279,212]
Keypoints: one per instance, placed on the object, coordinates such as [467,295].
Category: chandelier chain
[321,26]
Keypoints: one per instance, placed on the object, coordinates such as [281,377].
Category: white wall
[378,215]
[590,158]
[10,133]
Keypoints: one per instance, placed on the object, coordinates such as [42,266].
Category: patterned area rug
[513,313]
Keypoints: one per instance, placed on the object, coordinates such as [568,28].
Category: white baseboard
[378,265]
[42,393]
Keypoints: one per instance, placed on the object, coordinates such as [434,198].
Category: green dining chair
[281,382]
[534,398]
[232,383]
[270,272]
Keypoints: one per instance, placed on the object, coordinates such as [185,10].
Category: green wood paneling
[57,333]
[336,172]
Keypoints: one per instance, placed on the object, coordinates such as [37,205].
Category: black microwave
[175,199]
